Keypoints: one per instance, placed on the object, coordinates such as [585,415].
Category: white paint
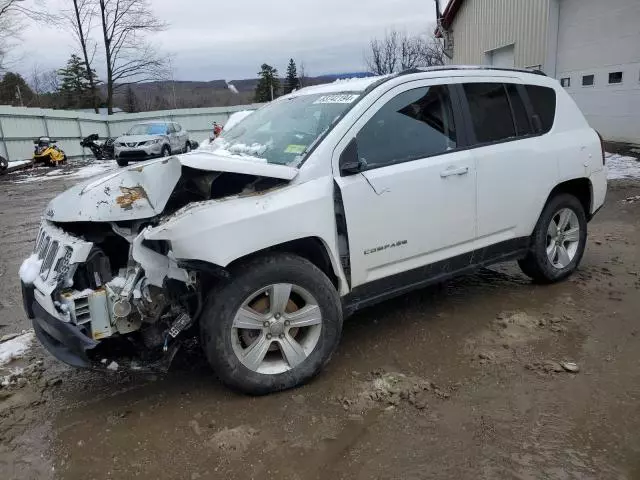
[30,269]
[211,161]
[16,347]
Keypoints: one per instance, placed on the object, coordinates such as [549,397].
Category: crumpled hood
[137,138]
[142,190]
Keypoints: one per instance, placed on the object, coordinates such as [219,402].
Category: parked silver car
[149,140]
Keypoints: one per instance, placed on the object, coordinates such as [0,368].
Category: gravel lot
[464,380]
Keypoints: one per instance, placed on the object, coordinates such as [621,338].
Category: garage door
[501,57]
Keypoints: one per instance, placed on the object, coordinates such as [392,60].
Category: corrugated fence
[20,126]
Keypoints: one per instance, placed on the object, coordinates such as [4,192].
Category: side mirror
[350,162]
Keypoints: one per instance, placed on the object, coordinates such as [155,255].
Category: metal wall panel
[20,126]
[484,25]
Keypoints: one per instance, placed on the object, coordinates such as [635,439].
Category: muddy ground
[463,380]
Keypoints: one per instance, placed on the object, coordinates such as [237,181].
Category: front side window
[490,112]
[415,124]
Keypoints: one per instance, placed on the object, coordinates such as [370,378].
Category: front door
[414,202]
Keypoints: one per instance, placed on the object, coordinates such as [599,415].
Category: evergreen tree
[268,84]
[131,101]
[75,86]
[292,82]
[15,91]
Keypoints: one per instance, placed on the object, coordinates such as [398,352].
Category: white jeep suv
[322,202]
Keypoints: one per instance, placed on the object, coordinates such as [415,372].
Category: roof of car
[362,84]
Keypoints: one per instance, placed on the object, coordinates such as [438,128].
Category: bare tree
[80,18]
[12,14]
[128,57]
[302,74]
[399,51]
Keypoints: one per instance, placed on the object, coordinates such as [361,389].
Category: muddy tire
[273,326]
[122,162]
[558,241]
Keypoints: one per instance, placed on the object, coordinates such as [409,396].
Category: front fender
[224,230]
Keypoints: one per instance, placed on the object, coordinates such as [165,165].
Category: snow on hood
[142,190]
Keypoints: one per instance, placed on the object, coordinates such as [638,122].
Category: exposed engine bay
[129,295]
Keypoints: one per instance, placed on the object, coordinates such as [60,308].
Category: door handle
[454,171]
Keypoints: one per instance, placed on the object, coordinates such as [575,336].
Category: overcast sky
[230,39]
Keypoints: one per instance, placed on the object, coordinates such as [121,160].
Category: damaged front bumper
[93,327]
[65,341]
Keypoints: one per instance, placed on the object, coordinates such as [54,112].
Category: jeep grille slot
[81,307]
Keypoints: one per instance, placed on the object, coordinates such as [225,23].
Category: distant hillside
[187,94]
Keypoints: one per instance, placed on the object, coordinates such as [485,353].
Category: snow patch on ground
[19,163]
[620,166]
[15,347]
[90,170]
[30,269]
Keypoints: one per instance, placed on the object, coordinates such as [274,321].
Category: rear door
[513,168]
[414,202]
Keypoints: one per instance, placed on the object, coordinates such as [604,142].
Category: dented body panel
[131,193]
[222,231]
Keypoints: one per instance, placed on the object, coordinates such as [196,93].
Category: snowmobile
[46,151]
[100,150]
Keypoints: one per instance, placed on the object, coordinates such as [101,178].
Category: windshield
[282,131]
[148,129]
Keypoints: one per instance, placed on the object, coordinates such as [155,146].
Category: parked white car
[149,140]
[325,201]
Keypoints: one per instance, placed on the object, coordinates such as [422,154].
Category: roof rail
[439,68]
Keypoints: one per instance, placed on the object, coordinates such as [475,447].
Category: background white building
[591,46]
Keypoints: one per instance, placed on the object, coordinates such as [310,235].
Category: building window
[565,82]
[615,77]
[588,80]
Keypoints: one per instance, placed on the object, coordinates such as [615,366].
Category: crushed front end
[93,305]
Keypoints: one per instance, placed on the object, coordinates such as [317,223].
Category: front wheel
[273,326]
[558,241]
[122,162]
[187,147]
[165,152]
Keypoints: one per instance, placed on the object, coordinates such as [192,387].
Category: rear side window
[543,102]
[415,124]
[523,125]
[490,112]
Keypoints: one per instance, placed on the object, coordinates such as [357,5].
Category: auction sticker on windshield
[339,98]
[295,149]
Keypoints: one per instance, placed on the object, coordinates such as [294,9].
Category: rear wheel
[274,326]
[3,163]
[558,241]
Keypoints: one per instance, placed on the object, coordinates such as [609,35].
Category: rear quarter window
[543,102]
